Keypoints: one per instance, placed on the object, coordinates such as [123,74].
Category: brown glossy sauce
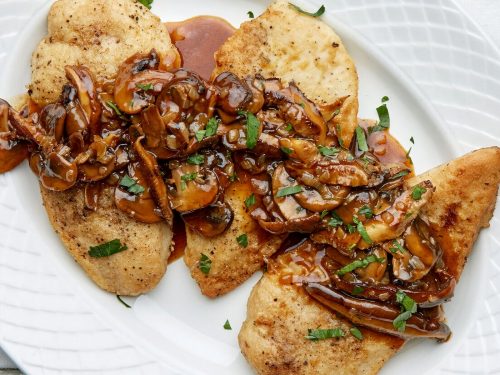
[197,39]
[179,240]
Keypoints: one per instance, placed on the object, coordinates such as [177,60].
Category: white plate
[52,317]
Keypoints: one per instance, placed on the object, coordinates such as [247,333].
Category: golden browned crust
[463,203]
[273,341]
[98,33]
[231,263]
[289,45]
[131,272]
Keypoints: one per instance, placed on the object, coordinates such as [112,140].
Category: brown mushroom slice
[141,207]
[306,224]
[32,132]
[334,172]
[53,119]
[135,73]
[154,178]
[195,188]
[375,271]
[343,241]
[210,221]
[379,317]
[56,173]
[234,94]
[83,80]
[391,223]
[287,204]
[301,150]
[256,85]
[317,201]
[157,137]
[12,152]
[76,121]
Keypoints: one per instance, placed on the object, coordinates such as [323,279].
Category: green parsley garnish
[227,325]
[242,240]
[250,14]
[339,135]
[146,3]
[106,249]
[323,214]
[196,159]
[286,150]
[412,140]
[384,99]
[186,178]
[408,305]
[233,177]
[114,107]
[318,13]
[360,263]
[289,127]
[417,192]
[123,302]
[401,174]
[250,201]
[131,185]
[323,334]
[361,138]
[351,228]
[290,190]
[384,120]
[397,247]
[356,333]
[209,131]
[362,230]
[335,221]
[145,87]
[328,151]
[252,128]
[205,264]
[357,290]
[366,211]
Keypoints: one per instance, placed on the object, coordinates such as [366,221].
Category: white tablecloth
[485,12]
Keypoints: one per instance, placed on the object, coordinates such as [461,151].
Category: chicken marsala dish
[265,169]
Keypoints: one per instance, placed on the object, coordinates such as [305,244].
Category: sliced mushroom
[301,150]
[157,137]
[83,80]
[340,239]
[54,171]
[141,207]
[31,131]
[306,224]
[12,151]
[234,94]
[194,189]
[154,178]
[210,221]
[379,317]
[133,75]
[288,206]
[391,223]
[99,161]
[53,118]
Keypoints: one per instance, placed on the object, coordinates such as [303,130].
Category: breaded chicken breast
[292,46]
[101,34]
[272,337]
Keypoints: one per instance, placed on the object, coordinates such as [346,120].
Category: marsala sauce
[197,39]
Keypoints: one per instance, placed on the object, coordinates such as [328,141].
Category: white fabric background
[487,15]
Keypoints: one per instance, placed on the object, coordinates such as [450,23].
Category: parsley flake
[356,333]
[250,14]
[286,150]
[359,263]
[318,13]
[205,264]
[290,190]
[146,3]
[242,240]
[335,221]
[417,192]
[250,201]
[107,249]
[227,325]
[357,290]
[123,302]
[323,334]
[361,138]
[252,128]
[409,306]
[131,185]
[145,87]
[328,151]
[366,211]
[362,230]
[196,159]
[384,120]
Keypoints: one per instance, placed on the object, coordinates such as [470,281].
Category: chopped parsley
[205,264]
[146,3]
[401,174]
[250,201]
[409,307]
[290,190]
[339,135]
[233,177]
[323,334]
[209,131]
[412,140]
[417,192]
[196,159]
[323,214]
[384,120]
[360,263]
[250,14]
[335,221]
[286,150]
[361,138]
[328,151]
[362,230]
[397,247]
[357,290]
[186,178]
[227,325]
[356,333]
[252,128]
[145,87]
[107,249]
[242,240]
[351,228]
[123,302]
[289,127]
[115,108]
[131,185]
[318,13]
[366,211]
